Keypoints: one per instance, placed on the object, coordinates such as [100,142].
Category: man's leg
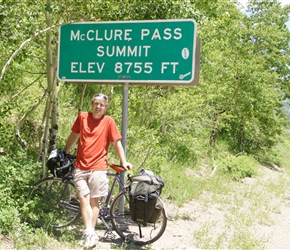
[94,203]
[86,211]
[81,183]
[89,237]
[98,184]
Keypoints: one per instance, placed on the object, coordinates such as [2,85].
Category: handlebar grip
[71,157]
[65,166]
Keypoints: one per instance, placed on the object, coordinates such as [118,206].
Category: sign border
[195,58]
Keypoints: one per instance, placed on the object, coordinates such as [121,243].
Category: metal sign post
[124,121]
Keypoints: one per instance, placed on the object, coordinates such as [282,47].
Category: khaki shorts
[95,183]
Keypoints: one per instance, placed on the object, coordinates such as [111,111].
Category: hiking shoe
[84,239]
[90,241]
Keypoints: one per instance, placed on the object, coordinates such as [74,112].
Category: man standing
[95,132]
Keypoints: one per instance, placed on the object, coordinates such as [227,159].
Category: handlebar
[65,166]
[117,168]
[69,162]
[71,157]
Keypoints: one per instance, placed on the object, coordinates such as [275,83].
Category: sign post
[159,52]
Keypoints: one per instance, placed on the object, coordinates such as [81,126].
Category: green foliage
[179,133]
[245,111]
[6,135]
[237,101]
[16,175]
[238,167]
[279,154]
[181,184]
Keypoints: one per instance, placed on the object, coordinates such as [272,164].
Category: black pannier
[144,197]
[58,159]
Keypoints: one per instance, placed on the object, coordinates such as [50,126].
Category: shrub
[238,167]
[16,176]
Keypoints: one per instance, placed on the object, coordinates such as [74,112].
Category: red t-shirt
[94,141]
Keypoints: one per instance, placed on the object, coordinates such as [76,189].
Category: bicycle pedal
[109,235]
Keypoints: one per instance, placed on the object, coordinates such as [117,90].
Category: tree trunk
[84,86]
[240,140]
[50,124]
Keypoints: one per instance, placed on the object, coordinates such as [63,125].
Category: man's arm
[70,141]
[121,154]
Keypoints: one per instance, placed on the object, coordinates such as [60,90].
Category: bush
[238,167]
[17,174]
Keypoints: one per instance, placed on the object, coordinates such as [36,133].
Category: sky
[283,2]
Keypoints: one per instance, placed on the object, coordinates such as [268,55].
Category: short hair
[101,95]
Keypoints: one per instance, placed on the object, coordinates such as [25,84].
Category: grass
[240,207]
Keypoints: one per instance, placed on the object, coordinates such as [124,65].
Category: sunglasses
[101,95]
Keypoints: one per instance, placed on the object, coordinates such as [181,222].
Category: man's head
[100,103]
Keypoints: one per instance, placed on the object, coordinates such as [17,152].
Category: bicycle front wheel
[53,203]
[131,231]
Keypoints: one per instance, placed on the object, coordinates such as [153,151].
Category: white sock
[89,231]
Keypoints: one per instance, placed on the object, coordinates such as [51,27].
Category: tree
[244,76]
[244,97]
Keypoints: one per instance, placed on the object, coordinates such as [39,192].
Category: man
[94,131]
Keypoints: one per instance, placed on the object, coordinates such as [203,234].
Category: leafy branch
[36,34]
[23,118]
[21,47]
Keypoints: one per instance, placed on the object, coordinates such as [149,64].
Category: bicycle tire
[53,203]
[129,230]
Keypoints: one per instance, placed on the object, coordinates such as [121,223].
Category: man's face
[99,107]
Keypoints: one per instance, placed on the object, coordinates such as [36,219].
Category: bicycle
[57,206]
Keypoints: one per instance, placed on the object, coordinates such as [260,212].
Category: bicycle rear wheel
[54,203]
[130,230]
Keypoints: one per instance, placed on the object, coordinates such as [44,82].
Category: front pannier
[58,159]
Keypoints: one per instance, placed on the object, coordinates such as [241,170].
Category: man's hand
[127,166]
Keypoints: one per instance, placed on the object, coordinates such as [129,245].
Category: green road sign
[156,52]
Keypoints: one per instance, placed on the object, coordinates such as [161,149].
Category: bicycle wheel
[130,230]
[54,203]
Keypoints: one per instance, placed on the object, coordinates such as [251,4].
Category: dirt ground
[180,229]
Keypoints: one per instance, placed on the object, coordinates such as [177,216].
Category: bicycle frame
[67,204]
[104,209]
[114,211]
